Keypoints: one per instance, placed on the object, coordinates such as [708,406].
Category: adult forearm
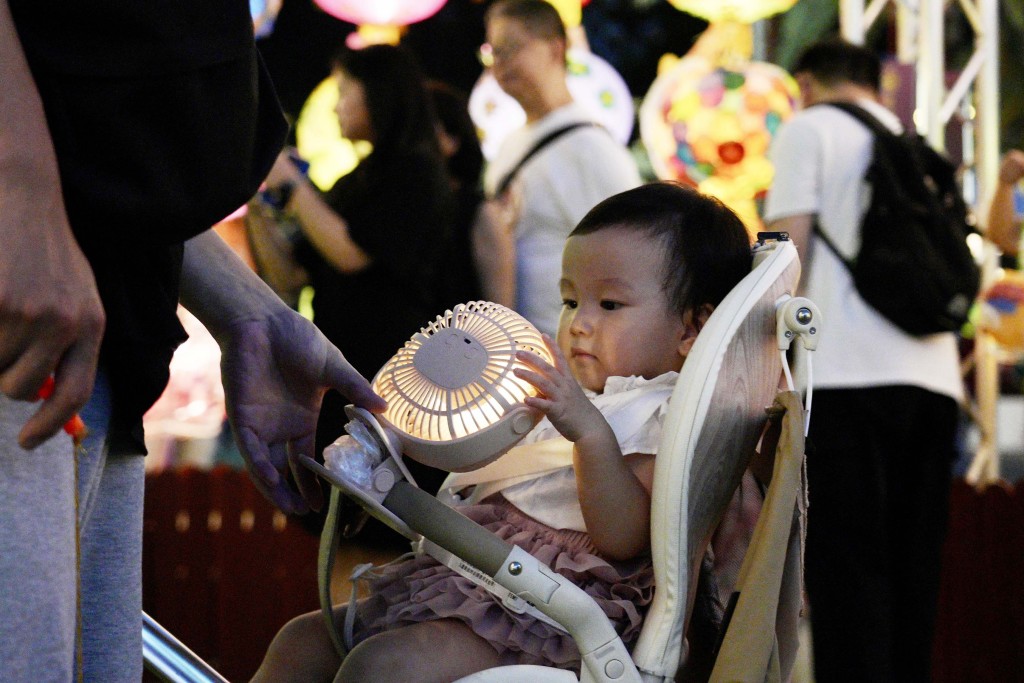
[326,230]
[220,289]
[494,255]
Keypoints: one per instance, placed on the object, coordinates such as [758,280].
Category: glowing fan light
[453,401]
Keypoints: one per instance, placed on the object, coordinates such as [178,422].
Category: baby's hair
[707,247]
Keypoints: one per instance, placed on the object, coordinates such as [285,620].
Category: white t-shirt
[555,189]
[635,408]
[820,157]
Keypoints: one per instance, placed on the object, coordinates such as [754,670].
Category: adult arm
[1003,225]
[272,252]
[494,250]
[326,230]
[276,367]
[800,228]
[51,317]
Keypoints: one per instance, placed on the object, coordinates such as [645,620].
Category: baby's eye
[569,303]
[610,305]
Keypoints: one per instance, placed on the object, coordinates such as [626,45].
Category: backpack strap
[869,120]
[880,131]
[503,184]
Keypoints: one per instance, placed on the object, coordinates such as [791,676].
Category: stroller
[716,416]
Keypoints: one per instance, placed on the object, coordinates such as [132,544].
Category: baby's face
[616,319]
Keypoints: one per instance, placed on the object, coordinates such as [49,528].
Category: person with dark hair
[373,246]
[635,265]
[460,146]
[883,431]
[547,174]
[127,130]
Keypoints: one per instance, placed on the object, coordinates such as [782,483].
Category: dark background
[630,35]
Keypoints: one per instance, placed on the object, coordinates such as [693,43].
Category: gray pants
[38,556]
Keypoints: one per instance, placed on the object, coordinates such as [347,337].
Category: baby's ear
[693,323]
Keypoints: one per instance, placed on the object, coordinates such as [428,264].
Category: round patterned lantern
[709,124]
[379,21]
[592,81]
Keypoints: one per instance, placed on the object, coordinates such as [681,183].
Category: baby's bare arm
[614,491]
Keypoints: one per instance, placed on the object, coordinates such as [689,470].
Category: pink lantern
[381,12]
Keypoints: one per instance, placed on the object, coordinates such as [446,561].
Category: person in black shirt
[126,131]
[373,247]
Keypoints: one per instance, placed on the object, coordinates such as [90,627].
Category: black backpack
[914,266]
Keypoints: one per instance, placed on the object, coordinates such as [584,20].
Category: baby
[641,274]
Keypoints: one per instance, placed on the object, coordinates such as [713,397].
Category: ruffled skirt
[420,589]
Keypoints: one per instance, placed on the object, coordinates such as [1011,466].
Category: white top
[555,189]
[635,408]
[820,157]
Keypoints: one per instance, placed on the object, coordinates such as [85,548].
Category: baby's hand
[562,399]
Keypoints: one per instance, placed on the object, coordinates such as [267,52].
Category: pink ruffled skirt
[420,589]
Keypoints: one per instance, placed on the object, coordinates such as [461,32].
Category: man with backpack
[883,428]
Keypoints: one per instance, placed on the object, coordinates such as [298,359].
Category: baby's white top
[635,408]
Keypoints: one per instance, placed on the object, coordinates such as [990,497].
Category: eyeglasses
[488,54]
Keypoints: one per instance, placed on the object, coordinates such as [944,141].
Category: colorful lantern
[709,117]
[592,81]
[710,126]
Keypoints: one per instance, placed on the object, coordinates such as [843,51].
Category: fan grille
[423,400]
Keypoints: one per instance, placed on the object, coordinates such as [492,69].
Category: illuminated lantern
[710,126]
[380,21]
[709,117]
[593,83]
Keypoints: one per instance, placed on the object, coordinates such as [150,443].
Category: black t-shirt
[399,211]
[164,122]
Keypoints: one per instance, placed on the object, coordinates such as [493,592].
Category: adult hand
[51,317]
[276,371]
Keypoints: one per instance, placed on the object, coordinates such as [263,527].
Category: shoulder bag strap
[538,146]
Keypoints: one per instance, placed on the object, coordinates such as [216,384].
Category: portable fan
[452,397]
[453,402]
